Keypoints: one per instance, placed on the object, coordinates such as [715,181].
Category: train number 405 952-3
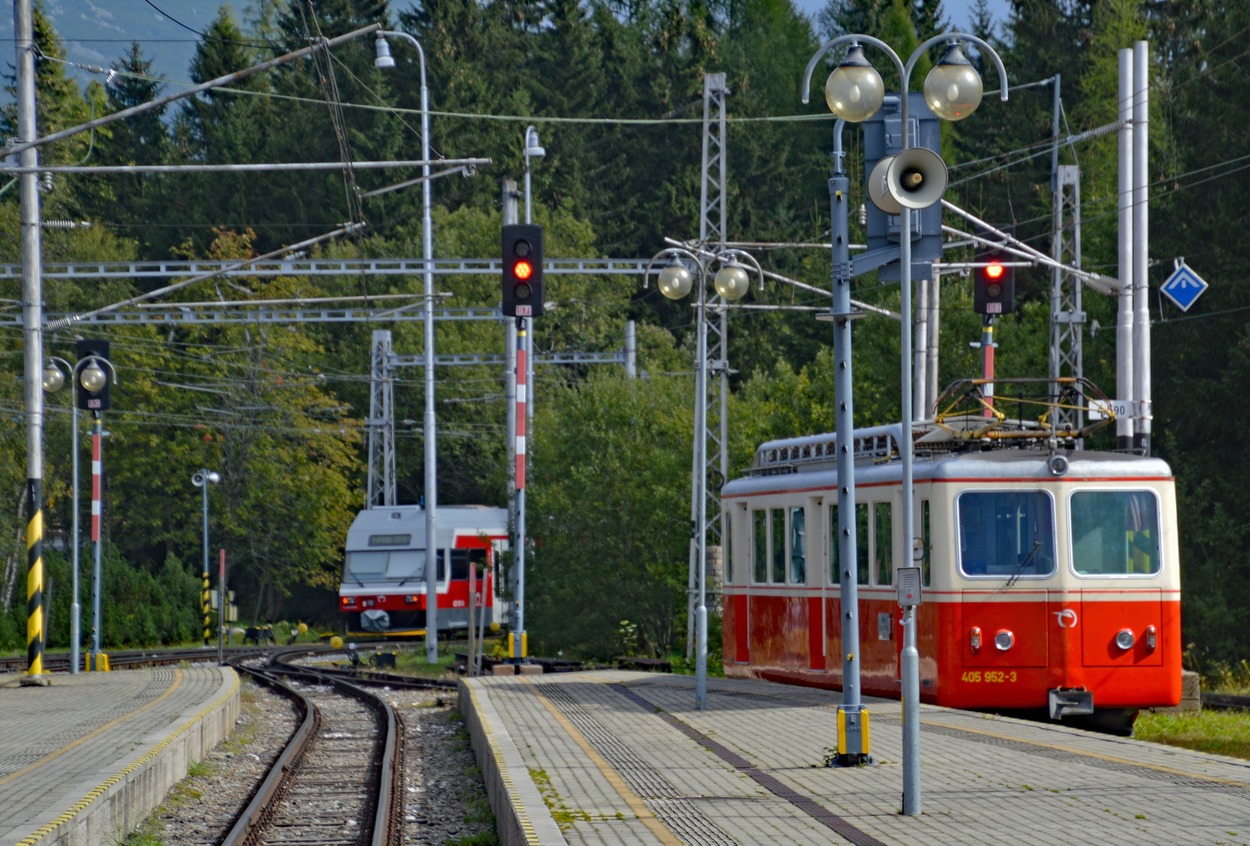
[989,676]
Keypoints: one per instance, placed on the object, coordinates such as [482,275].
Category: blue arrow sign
[1184,287]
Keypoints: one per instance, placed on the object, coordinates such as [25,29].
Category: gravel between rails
[445,802]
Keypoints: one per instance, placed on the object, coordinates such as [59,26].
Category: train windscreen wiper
[1026,561]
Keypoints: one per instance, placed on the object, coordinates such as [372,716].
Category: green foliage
[609,516]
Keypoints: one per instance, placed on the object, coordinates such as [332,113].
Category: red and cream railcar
[1051,578]
[383,589]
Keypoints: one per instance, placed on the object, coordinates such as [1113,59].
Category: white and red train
[383,590]
[1051,577]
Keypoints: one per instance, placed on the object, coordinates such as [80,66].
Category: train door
[738,574]
[879,639]
[498,607]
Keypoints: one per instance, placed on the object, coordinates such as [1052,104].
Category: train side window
[1115,533]
[778,544]
[460,564]
[883,534]
[759,545]
[730,547]
[798,546]
[926,541]
[835,538]
[862,551]
[1006,534]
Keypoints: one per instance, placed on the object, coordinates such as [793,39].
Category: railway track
[339,781]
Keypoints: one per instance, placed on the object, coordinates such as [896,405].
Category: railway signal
[995,291]
[522,270]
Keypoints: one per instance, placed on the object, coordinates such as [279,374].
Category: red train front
[1051,578]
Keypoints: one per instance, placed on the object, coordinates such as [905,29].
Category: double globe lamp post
[855,92]
[682,271]
[90,374]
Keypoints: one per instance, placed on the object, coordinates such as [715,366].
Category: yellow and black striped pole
[205,606]
[32,336]
[34,578]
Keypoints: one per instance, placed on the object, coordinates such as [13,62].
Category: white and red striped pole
[521,388]
[987,365]
[517,650]
[95,484]
[97,515]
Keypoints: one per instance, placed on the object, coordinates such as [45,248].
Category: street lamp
[952,91]
[202,479]
[533,150]
[384,60]
[53,380]
[731,281]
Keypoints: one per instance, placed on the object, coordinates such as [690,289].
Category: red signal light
[522,270]
[995,271]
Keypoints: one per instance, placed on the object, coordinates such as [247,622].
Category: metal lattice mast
[1066,317]
[710,456]
[381,489]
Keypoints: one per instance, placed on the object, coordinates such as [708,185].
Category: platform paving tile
[77,742]
[624,772]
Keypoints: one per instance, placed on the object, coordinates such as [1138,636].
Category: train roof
[811,461]
[410,520]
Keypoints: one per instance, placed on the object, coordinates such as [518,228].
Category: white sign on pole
[1102,409]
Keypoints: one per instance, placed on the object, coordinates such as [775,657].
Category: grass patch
[1219,732]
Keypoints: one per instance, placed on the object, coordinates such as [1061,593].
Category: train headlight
[974,639]
[1124,639]
[1004,640]
[1152,637]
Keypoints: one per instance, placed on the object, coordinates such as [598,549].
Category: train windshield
[1115,533]
[399,565]
[1006,534]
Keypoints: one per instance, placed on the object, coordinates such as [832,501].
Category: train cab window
[798,546]
[777,574]
[759,545]
[1006,534]
[883,546]
[1115,533]
[730,550]
[402,565]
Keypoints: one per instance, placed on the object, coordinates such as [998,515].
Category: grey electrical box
[909,587]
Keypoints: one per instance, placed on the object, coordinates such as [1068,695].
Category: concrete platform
[624,758]
[84,759]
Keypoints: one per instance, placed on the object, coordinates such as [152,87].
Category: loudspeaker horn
[915,178]
[878,192]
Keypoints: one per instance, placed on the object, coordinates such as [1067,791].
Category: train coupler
[1069,701]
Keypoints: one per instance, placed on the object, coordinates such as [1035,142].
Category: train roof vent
[879,443]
